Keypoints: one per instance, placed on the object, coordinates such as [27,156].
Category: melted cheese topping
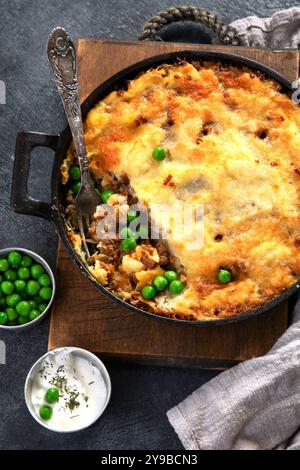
[233,141]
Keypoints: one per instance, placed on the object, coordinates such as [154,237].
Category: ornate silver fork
[62,57]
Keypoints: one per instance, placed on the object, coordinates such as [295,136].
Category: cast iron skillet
[21,202]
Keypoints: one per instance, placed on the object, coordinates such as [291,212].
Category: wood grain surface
[83,317]
[99,59]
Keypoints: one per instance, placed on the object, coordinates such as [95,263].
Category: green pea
[11,314]
[176,287]
[20,285]
[32,288]
[45,293]
[224,276]
[32,304]
[36,270]
[128,245]
[171,276]
[23,320]
[159,153]
[23,273]
[44,280]
[42,307]
[23,308]
[26,261]
[105,195]
[126,232]
[2,301]
[131,215]
[45,412]
[34,314]
[14,257]
[3,318]
[75,187]
[52,395]
[160,283]
[13,299]
[148,292]
[10,275]
[74,173]
[7,287]
[4,265]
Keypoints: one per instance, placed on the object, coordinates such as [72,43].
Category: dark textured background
[135,418]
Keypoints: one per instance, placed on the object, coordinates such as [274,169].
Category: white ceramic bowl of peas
[27,288]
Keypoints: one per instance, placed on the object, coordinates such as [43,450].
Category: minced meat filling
[124,273]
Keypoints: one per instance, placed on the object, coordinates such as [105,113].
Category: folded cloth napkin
[256,404]
[280,31]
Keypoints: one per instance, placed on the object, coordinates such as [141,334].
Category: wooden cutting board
[83,317]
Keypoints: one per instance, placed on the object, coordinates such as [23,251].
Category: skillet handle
[21,202]
[151,29]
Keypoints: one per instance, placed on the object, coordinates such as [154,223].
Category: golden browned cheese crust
[233,142]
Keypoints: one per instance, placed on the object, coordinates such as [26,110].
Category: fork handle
[61,53]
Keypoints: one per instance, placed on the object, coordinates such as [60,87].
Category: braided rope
[187,13]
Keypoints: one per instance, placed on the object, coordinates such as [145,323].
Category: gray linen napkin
[280,31]
[256,404]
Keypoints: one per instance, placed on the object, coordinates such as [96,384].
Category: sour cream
[83,391]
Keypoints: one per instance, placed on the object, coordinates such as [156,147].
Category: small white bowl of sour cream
[67,389]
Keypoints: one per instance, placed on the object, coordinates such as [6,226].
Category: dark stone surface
[135,418]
